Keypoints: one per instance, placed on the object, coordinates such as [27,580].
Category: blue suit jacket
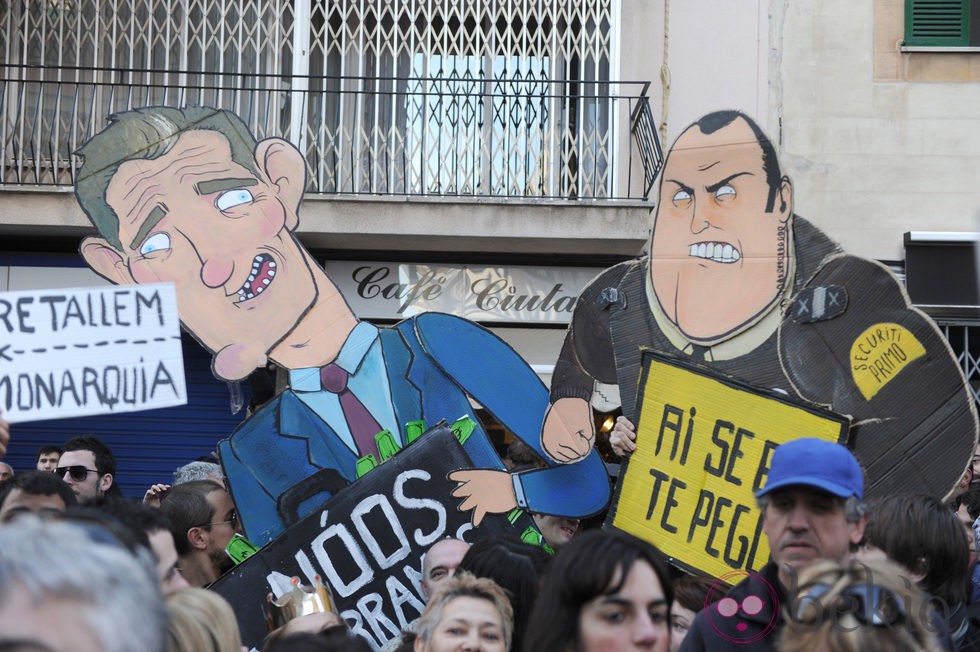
[433,362]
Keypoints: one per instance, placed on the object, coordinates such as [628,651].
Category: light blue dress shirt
[362,358]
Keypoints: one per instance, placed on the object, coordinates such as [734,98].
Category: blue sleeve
[494,375]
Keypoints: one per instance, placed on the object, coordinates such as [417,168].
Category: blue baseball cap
[816,463]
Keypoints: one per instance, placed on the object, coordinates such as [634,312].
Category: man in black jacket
[813,508]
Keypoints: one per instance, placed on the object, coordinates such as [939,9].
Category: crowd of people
[83,568]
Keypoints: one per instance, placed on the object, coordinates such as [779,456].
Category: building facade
[512,135]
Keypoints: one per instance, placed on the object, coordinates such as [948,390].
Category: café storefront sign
[516,294]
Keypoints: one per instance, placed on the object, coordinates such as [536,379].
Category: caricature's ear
[106,260]
[285,168]
[785,201]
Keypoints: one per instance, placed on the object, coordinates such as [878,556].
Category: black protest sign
[367,542]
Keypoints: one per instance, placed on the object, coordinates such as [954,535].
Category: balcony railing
[453,136]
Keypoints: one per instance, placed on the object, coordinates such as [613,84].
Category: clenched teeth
[715,251]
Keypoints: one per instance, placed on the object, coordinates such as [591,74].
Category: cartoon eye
[233,198]
[156,242]
[725,192]
[727,607]
[681,198]
[752,605]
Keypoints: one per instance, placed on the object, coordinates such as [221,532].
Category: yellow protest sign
[703,447]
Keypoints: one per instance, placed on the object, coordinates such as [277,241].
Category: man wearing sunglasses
[203,520]
[89,468]
[813,509]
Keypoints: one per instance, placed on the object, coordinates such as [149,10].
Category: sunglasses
[77,472]
[871,604]
[232,520]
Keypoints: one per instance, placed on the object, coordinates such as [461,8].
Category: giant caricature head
[720,240]
[188,196]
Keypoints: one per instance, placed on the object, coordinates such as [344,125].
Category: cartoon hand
[155,494]
[484,491]
[568,432]
[4,434]
[623,436]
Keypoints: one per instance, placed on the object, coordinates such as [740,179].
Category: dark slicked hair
[105,461]
[717,120]
[592,564]
[187,506]
[146,134]
[518,568]
[925,536]
[46,450]
[691,591]
[141,521]
[38,483]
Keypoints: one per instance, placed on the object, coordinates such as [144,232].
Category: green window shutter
[937,22]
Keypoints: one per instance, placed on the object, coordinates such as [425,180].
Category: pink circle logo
[729,618]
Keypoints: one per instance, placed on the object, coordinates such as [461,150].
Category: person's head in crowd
[968,511]
[521,456]
[89,468]
[201,621]
[332,639]
[466,613]
[198,470]
[262,382]
[34,491]
[855,607]
[203,521]
[516,567]
[556,530]
[812,505]
[923,536]
[690,594]
[975,464]
[47,458]
[606,590]
[964,484]
[72,586]
[439,563]
[6,471]
[151,528]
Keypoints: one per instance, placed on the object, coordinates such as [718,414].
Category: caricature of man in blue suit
[188,196]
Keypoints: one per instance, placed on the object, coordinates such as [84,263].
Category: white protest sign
[75,352]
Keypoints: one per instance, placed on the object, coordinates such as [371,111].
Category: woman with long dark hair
[606,590]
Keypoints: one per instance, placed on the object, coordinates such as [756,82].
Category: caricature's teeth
[716,252]
[262,273]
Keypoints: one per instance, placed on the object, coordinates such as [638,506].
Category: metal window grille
[488,97]
[964,338]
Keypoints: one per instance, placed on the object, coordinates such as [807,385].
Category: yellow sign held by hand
[703,446]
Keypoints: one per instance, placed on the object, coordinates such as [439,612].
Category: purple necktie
[362,425]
